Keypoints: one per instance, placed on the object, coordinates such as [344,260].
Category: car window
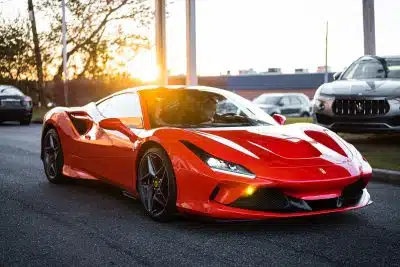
[267,99]
[225,107]
[295,100]
[285,101]
[191,108]
[373,69]
[121,106]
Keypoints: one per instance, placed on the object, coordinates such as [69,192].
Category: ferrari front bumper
[220,211]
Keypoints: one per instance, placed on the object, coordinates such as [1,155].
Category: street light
[64,42]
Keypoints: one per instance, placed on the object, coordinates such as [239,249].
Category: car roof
[171,87]
[391,57]
[283,94]
[385,57]
[166,87]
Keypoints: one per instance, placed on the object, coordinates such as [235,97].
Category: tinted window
[225,107]
[197,108]
[373,69]
[121,106]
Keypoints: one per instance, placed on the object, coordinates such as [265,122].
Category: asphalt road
[89,224]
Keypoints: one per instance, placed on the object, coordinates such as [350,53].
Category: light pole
[64,43]
[369,27]
[161,48]
[326,53]
[191,72]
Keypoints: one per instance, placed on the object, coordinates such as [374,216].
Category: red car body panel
[302,160]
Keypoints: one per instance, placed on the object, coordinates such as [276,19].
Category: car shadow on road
[202,224]
[11,124]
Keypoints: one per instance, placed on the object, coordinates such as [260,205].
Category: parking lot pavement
[90,224]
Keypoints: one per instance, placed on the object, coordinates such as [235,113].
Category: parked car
[14,105]
[290,104]
[363,98]
[174,149]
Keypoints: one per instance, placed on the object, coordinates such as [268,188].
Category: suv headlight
[217,164]
[321,101]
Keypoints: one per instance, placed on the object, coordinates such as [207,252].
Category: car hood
[296,145]
[381,87]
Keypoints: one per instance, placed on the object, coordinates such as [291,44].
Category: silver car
[288,104]
[363,98]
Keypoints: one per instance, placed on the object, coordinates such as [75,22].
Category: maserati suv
[363,98]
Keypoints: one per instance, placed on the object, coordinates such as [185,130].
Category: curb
[386,176]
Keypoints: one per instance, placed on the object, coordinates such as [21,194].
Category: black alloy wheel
[53,160]
[156,184]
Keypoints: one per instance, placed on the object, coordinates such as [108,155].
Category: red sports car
[204,151]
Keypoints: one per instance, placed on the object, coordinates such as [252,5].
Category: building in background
[322,69]
[301,70]
[247,72]
[272,71]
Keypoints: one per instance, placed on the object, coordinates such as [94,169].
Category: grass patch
[381,150]
[290,120]
[38,113]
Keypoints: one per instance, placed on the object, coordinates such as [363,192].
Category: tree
[16,54]
[98,32]
[38,56]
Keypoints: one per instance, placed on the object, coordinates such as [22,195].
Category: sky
[262,34]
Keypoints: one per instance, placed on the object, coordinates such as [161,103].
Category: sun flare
[144,67]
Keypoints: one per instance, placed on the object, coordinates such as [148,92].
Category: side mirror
[337,75]
[279,118]
[281,104]
[115,124]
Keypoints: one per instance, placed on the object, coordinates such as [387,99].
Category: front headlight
[217,164]
[321,101]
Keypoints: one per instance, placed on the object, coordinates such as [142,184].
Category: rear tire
[53,158]
[305,115]
[156,185]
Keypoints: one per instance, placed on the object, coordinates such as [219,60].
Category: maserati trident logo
[322,171]
[359,107]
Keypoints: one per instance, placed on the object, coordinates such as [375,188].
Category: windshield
[8,90]
[267,99]
[191,108]
[374,68]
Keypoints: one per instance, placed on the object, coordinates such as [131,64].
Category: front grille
[10,103]
[264,199]
[360,107]
[274,200]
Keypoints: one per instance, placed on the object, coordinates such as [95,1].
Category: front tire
[156,185]
[53,158]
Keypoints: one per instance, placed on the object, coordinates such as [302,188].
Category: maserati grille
[360,107]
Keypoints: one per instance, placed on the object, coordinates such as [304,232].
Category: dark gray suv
[290,104]
[364,98]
